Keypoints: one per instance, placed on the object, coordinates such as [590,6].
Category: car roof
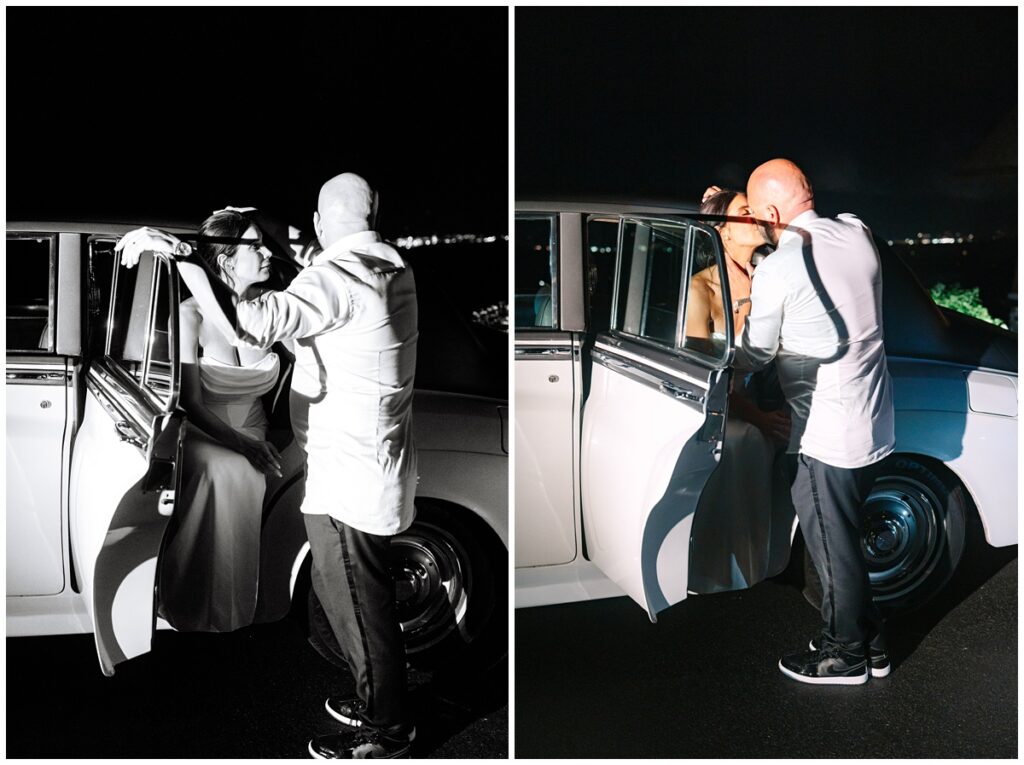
[603,205]
[99,227]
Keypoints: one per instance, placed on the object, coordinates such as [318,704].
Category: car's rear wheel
[913,526]
[450,587]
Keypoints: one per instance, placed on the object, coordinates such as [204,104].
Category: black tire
[914,525]
[451,591]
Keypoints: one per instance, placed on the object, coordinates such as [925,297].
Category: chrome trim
[570,273]
[119,395]
[67,320]
[651,378]
[38,378]
[543,354]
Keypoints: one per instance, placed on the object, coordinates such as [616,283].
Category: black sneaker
[829,666]
[363,744]
[348,711]
[878,655]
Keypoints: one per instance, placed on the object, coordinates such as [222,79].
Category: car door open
[124,474]
[654,417]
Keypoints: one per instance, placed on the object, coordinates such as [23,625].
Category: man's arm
[215,298]
[760,339]
[316,301]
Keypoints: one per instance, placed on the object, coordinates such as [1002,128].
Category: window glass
[139,322]
[651,294]
[99,280]
[704,330]
[536,268]
[601,246]
[653,257]
[30,325]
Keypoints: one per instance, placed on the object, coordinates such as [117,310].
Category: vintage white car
[94,436]
[619,417]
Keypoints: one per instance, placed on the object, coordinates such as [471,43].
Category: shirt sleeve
[316,301]
[760,339]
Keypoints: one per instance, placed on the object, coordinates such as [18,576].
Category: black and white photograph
[765,384]
[257,413]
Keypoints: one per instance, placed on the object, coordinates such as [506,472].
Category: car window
[138,337]
[667,288]
[652,258]
[704,330]
[536,271]
[600,248]
[30,293]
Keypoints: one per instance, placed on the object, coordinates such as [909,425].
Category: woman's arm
[261,454]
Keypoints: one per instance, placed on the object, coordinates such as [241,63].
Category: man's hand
[145,239]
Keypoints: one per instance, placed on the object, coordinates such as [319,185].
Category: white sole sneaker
[875,671]
[853,680]
[350,722]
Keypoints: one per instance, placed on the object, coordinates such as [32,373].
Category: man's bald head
[778,191]
[345,206]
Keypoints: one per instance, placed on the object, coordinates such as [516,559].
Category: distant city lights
[412,242]
[927,239]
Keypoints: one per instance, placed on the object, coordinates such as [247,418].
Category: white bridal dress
[210,568]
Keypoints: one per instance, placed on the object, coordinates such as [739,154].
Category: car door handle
[545,352]
[677,392]
[126,433]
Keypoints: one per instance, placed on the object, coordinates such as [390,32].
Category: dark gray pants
[828,502]
[352,580]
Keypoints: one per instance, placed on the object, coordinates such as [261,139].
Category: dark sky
[173,112]
[905,116]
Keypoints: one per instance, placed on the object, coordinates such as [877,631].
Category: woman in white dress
[745,501]
[210,568]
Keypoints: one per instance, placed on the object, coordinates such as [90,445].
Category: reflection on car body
[620,415]
[94,437]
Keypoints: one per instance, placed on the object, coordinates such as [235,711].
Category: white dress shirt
[816,307]
[352,314]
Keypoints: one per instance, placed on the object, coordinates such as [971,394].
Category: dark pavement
[258,692]
[597,679]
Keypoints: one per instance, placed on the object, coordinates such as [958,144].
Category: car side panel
[546,406]
[934,418]
[103,470]
[37,400]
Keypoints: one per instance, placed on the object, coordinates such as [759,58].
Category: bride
[210,568]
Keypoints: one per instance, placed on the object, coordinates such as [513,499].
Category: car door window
[139,326]
[536,256]
[30,294]
[600,248]
[662,267]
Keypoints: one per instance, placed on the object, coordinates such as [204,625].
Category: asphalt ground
[598,679]
[258,692]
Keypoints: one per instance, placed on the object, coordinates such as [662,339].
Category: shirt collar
[347,244]
[792,232]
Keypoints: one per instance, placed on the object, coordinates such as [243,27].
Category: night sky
[173,112]
[905,116]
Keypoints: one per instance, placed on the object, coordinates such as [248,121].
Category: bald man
[816,308]
[352,316]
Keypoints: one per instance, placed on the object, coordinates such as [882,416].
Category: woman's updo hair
[225,223]
[718,204]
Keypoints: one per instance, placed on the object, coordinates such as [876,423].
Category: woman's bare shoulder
[705,279]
